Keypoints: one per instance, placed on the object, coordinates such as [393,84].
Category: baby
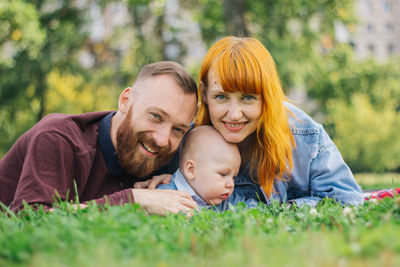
[207,167]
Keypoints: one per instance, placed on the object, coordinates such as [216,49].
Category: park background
[77,56]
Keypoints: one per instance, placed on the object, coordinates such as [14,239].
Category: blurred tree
[366,134]
[44,35]
[234,15]
[339,76]
[20,33]
[154,33]
[360,101]
[295,32]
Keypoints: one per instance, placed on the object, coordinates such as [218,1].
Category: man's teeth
[148,148]
[234,125]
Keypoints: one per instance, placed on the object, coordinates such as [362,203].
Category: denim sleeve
[331,177]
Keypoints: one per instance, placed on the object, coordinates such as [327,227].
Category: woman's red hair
[245,65]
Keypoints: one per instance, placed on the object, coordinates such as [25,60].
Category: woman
[286,156]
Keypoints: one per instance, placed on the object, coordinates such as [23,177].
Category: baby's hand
[153,182]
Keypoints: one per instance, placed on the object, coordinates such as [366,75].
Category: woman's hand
[153,182]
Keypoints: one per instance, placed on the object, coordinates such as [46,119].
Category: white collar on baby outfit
[182,185]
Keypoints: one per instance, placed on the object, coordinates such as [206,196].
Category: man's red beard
[131,159]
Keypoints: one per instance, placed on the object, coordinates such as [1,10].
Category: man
[99,155]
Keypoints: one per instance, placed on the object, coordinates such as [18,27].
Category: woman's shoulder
[300,122]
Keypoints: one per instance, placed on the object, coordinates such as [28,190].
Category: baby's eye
[155,116]
[223,174]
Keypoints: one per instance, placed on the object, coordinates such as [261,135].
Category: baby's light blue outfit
[178,182]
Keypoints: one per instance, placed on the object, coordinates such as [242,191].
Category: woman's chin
[233,138]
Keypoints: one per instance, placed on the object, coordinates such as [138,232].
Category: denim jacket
[318,171]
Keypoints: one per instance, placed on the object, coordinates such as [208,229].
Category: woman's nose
[235,111]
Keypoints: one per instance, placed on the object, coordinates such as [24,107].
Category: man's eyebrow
[165,114]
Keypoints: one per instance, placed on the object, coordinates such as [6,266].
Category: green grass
[372,181]
[329,235]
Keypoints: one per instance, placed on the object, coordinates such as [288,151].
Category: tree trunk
[234,13]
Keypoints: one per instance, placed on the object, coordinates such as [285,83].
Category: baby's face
[214,175]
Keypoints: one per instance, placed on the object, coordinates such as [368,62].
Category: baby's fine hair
[204,134]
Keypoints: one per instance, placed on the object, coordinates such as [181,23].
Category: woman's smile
[234,126]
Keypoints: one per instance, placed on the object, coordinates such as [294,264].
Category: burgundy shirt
[57,152]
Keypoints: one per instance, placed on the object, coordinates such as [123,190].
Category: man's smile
[149,149]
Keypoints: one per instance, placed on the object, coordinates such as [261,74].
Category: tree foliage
[295,32]
[361,101]
[366,134]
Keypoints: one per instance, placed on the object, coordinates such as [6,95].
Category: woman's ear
[190,169]
[203,91]
[125,100]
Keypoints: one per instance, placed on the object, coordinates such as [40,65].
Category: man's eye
[180,131]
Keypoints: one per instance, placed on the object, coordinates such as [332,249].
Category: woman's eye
[220,97]
[249,97]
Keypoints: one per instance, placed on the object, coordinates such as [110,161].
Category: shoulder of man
[76,127]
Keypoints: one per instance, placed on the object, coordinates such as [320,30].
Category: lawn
[370,181]
[330,235]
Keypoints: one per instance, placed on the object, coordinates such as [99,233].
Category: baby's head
[209,164]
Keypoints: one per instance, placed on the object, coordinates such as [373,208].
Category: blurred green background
[77,56]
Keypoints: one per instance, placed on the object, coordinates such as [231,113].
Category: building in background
[377,32]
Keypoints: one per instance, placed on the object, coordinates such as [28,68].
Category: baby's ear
[190,169]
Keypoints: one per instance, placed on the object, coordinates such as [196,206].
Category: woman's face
[235,115]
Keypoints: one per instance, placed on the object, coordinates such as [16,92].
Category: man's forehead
[160,84]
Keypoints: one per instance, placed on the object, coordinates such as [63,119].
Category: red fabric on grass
[381,194]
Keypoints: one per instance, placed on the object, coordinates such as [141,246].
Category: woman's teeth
[235,125]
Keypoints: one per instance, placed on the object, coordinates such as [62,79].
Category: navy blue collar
[107,147]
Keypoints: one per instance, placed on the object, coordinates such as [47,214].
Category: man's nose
[235,111]
[161,136]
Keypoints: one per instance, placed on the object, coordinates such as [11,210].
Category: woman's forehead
[231,83]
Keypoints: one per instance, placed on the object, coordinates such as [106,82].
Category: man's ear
[203,91]
[190,169]
[125,100]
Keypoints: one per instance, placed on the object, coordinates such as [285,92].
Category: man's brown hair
[177,71]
